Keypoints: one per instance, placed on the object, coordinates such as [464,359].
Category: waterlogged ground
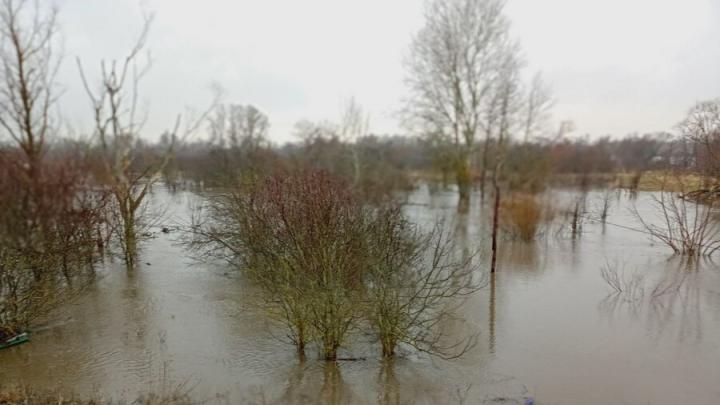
[546,327]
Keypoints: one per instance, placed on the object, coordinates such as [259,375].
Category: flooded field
[547,325]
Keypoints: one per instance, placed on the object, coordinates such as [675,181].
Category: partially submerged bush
[301,238]
[686,227]
[325,259]
[49,227]
[523,216]
[413,279]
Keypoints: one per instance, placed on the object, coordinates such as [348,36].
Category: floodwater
[547,327]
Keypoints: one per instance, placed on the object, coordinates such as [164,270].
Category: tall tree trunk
[130,239]
[463,178]
[483,168]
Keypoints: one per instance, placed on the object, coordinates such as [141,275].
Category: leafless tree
[464,76]
[537,108]
[238,126]
[308,131]
[702,128]
[510,99]
[453,64]
[49,214]
[28,69]
[354,124]
[238,134]
[118,124]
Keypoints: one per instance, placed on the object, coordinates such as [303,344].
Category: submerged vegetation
[320,226]
[327,260]
[524,215]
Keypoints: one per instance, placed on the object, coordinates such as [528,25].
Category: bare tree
[454,62]
[702,128]
[26,96]
[238,126]
[118,124]
[354,124]
[238,134]
[28,70]
[49,214]
[308,132]
[537,108]
[509,96]
[490,118]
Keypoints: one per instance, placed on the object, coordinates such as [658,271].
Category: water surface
[547,327]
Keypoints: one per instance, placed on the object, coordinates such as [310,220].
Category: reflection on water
[549,327]
[387,380]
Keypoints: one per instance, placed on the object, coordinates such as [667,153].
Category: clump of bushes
[50,235]
[330,263]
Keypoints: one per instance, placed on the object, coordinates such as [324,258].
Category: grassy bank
[646,181]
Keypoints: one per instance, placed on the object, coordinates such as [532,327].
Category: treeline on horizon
[394,162]
[385,163]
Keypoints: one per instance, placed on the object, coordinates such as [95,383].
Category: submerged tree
[454,63]
[508,95]
[118,124]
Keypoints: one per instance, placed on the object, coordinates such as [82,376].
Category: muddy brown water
[546,324]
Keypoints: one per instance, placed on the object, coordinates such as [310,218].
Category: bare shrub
[413,279]
[302,239]
[686,227]
[325,259]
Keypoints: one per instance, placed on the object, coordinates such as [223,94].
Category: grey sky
[616,66]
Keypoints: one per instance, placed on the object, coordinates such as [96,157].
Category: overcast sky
[616,66]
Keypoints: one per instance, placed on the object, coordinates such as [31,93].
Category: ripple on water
[543,330]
